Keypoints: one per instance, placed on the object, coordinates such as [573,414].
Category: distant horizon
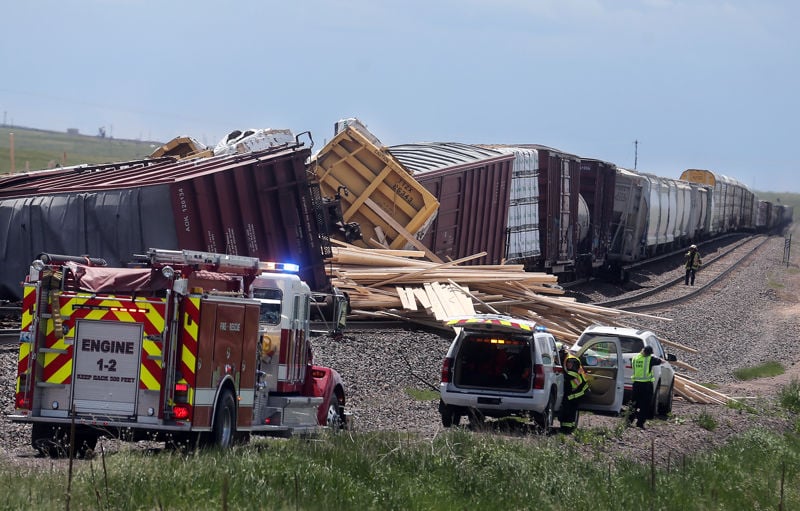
[67,132]
[161,142]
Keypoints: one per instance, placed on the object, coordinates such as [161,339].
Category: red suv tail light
[538,376]
[447,370]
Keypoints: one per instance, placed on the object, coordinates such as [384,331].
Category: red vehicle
[189,347]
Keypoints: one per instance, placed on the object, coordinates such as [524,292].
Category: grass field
[456,470]
[40,149]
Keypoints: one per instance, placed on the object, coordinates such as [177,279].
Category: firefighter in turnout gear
[692,263]
[642,398]
[575,387]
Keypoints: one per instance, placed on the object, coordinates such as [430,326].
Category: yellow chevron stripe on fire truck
[149,380]
[25,347]
[29,306]
[191,331]
[63,373]
[57,364]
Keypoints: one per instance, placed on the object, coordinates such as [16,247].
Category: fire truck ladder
[220,262]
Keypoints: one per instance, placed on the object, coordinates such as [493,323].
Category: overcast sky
[699,83]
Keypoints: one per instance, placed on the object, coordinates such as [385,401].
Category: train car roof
[431,156]
[709,177]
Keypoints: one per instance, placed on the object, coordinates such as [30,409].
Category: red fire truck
[186,346]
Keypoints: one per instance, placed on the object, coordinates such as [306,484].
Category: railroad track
[674,291]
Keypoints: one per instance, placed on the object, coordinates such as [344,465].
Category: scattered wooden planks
[696,393]
[406,285]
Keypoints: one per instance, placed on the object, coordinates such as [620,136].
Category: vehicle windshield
[628,344]
[270,312]
[270,305]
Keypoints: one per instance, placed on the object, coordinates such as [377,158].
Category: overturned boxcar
[259,204]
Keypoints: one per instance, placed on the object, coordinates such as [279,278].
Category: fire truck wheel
[49,441]
[224,430]
[334,419]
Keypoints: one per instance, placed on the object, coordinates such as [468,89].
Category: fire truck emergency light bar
[163,256]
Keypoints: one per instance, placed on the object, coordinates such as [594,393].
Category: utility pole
[635,154]
[11,152]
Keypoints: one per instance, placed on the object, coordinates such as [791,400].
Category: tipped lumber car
[392,209]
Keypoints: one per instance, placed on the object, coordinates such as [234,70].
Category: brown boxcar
[597,189]
[258,204]
[472,185]
[561,216]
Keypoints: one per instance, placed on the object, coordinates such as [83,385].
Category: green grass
[789,396]
[423,394]
[39,149]
[774,284]
[456,470]
[764,370]
[706,421]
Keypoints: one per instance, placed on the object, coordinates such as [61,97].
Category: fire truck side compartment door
[228,333]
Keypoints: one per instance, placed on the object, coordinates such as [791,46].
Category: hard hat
[560,346]
[694,247]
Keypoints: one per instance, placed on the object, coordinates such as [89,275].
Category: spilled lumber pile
[402,284]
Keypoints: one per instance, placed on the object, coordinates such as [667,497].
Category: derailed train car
[563,215]
[257,204]
[576,217]
[472,185]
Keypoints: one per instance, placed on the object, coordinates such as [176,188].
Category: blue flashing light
[541,328]
[285,267]
[294,268]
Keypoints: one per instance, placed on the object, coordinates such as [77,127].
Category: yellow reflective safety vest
[577,379]
[693,260]
[642,371]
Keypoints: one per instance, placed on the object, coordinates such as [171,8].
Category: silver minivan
[499,366]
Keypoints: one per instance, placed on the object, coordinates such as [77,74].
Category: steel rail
[685,297]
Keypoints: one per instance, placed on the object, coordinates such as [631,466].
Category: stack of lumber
[402,284]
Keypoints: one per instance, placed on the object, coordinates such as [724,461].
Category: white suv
[632,342]
[498,366]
